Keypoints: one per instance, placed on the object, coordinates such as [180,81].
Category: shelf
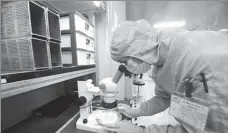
[15,88]
[66,48]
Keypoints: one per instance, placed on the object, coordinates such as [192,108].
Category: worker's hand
[121,127]
[128,111]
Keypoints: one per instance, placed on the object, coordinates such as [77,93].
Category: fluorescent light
[172,24]
[97,3]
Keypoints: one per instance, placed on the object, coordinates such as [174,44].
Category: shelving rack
[78,43]
[29,31]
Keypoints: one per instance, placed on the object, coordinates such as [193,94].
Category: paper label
[190,112]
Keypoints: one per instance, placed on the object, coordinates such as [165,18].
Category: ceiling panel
[72,6]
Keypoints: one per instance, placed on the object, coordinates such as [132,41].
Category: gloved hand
[121,127]
[128,111]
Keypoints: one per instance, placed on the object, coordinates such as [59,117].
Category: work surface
[70,126]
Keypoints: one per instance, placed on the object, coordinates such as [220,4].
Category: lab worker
[190,70]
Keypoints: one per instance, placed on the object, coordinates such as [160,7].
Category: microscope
[100,102]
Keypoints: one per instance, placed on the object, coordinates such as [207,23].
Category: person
[192,64]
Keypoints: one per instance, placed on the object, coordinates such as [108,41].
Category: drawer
[66,57]
[91,57]
[83,26]
[83,58]
[65,23]
[84,42]
[65,41]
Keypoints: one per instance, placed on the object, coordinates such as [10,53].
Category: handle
[88,56]
[86,26]
[87,41]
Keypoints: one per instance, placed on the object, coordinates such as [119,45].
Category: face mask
[136,68]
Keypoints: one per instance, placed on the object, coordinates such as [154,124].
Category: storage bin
[82,25]
[23,18]
[24,54]
[55,51]
[83,57]
[64,23]
[82,41]
[54,26]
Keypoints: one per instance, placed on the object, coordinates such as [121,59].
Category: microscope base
[91,124]
[109,116]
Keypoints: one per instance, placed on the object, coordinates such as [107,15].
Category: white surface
[19,87]
[65,40]
[81,24]
[64,23]
[109,117]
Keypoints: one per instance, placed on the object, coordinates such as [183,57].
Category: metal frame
[73,39]
[60,53]
[51,38]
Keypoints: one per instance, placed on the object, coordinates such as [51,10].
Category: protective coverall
[176,55]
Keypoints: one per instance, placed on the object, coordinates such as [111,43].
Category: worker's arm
[156,104]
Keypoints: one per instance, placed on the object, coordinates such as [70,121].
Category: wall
[17,108]
[105,25]
[198,14]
